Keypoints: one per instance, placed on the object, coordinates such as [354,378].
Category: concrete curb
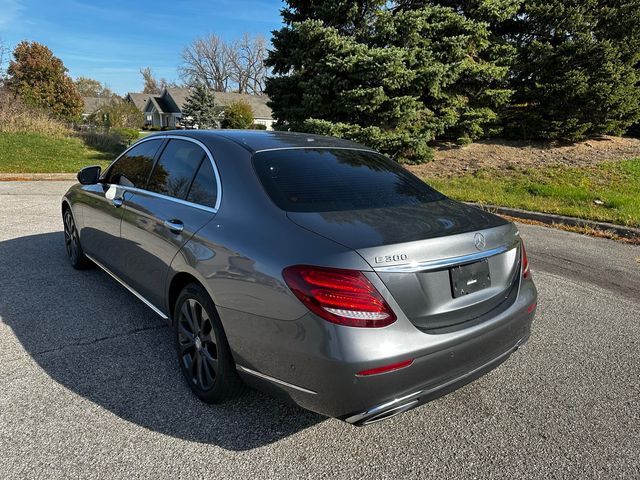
[22,177]
[550,219]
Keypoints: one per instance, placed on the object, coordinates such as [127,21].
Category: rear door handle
[176,226]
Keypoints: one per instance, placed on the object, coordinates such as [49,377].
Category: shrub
[17,117]
[127,135]
[117,114]
[258,126]
[237,115]
[105,141]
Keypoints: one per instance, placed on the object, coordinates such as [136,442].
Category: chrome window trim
[444,262]
[274,380]
[135,293]
[167,197]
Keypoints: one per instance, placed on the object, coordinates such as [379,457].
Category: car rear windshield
[325,180]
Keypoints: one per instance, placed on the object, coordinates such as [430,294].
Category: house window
[149,118]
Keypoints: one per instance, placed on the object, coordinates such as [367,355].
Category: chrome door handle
[176,226]
[117,202]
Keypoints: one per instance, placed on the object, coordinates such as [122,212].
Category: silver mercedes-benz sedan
[305,265]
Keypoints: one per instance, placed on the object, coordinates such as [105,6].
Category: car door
[180,197]
[103,203]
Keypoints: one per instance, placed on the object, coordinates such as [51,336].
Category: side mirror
[89,175]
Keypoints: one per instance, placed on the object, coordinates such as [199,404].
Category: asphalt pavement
[90,387]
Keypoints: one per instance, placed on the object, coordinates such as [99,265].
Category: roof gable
[93,104]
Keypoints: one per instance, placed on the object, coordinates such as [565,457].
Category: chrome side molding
[274,380]
[121,282]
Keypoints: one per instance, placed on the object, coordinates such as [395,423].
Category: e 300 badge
[391,258]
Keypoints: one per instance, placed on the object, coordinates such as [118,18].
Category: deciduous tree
[207,61]
[223,66]
[248,70]
[41,80]
[88,87]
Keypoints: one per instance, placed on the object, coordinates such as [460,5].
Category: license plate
[469,278]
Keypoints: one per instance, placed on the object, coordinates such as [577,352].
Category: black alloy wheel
[72,242]
[203,351]
[197,344]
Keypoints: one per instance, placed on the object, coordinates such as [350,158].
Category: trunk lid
[413,248]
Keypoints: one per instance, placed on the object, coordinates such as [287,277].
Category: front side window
[325,180]
[132,169]
[176,168]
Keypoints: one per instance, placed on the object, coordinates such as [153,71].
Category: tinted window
[133,168]
[307,180]
[175,169]
[204,189]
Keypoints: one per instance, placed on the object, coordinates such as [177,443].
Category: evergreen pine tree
[576,72]
[392,77]
[199,109]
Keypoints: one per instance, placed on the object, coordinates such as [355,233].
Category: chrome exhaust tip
[386,410]
[390,413]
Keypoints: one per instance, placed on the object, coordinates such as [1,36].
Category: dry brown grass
[16,117]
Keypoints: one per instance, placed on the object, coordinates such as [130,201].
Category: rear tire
[204,355]
[76,255]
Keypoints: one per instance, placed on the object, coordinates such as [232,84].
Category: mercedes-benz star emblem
[479,241]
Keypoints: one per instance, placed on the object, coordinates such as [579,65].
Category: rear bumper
[402,404]
[318,371]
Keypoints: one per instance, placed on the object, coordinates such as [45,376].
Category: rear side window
[324,180]
[132,169]
[175,168]
[204,189]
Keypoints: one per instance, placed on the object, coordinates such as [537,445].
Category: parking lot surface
[90,387]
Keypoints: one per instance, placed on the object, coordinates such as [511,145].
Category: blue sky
[111,40]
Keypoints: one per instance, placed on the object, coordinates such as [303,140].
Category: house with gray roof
[93,105]
[138,99]
[165,110]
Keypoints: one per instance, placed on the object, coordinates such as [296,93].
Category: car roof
[258,140]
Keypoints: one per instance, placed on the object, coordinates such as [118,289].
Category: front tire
[203,351]
[76,255]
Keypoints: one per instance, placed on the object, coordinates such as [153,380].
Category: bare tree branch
[222,66]
[248,69]
[151,84]
[207,60]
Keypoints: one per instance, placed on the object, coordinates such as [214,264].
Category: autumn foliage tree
[41,80]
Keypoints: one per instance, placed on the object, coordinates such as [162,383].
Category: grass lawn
[571,191]
[35,153]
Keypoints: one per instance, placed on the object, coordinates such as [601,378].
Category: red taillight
[525,261]
[386,368]
[345,297]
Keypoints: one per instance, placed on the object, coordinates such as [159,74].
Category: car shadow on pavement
[96,339]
